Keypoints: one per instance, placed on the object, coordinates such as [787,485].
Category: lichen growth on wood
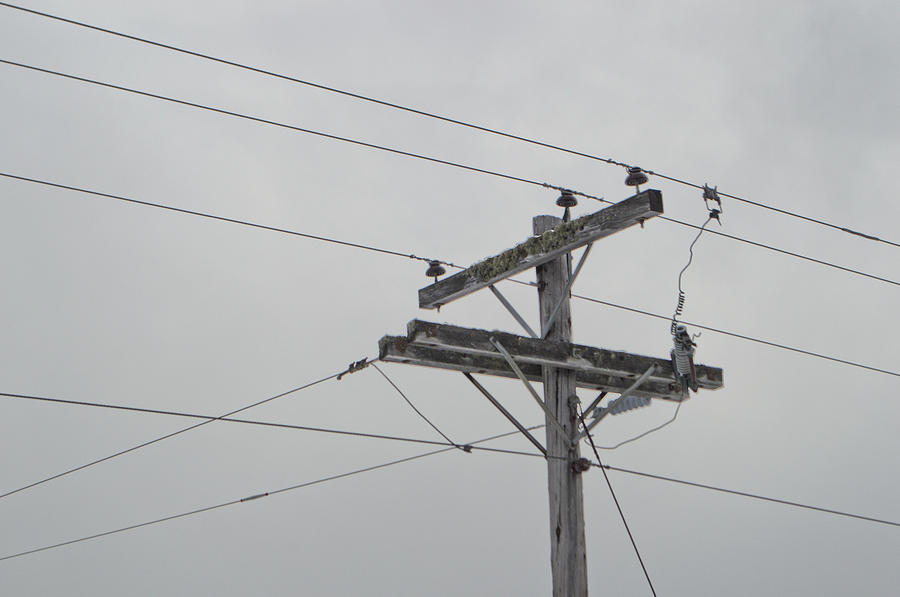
[551,240]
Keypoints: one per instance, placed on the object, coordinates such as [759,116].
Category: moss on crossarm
[549,241]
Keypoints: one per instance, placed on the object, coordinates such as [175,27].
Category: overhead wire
[740,336]
[211,418]
[640,435]
[210,216]
[754,496]
[166,436]
[679,308]
[437,443]
[250,498]
[418,412]
[277,124]
[849,270]
[421,157]
[450,264]
[637,552]
[432,115]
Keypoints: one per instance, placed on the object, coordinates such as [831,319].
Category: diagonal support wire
[565,294]
[550,416]
[512,311]
[637,383]
[506,413]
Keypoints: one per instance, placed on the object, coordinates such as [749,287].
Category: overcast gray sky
[793,104]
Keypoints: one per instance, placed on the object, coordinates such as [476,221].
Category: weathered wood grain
[543,248]
[397,349]
[587,360]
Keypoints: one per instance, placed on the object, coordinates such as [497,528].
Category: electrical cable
[748,495]
[587,432]
[281,125]
[639,436]
[849,270]
[251,498]
[449,445]
[210,216]
[412,256]
[418,412]
[431,442]
[171,413]
[388,251]
[165,437]
[679,308]
[432,115]
[450,264]
[412,155]
[739,336]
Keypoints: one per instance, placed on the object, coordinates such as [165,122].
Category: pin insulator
[636,177]
[435,269]
[567,199]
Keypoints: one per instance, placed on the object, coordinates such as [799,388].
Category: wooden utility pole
[568,559]
[550,357]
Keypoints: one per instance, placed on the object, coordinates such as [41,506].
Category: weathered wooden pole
[567,549]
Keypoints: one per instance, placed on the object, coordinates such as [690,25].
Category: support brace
[512,311]
[567,290]
[520,375]
[506,413]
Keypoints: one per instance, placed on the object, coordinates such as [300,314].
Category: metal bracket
[621,397]
[512,311]
[568,289]
[550,416]
[506,413]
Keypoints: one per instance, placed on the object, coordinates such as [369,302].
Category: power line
[222,218]
[748,495]
[449,445]
[641,435]
[165,437]
[418,412]
[417,156]
[587,432]
[448,448]
[275,123]
[432,115]
[740,336]
[250,498]
[412,256]
[783,251]
[211,418]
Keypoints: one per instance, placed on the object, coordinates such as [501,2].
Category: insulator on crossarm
[629,403]
[435,269]
[567,199]
[636,177]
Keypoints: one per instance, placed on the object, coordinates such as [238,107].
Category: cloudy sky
[792,104]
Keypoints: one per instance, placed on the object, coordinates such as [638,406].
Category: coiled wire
[682,298]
